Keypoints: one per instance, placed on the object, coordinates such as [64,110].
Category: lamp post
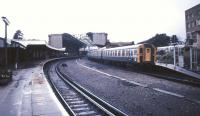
[173,42]
[5,20]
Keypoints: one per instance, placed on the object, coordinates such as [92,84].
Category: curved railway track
[77,100]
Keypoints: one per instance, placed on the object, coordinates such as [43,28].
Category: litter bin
[5,76]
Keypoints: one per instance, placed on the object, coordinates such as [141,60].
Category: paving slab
[29,94]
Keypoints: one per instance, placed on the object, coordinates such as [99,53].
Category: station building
[21,51]
[192,18]
[192,50]
[98,39]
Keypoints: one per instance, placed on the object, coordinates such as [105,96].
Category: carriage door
[148,54]
[140,55]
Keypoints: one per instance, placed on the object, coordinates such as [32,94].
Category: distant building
[98,39]
[67,41]
[192,17]
[55,40]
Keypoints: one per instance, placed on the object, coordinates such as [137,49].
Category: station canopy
[69,40]
[25,43]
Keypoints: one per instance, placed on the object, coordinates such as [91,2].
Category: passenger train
[140,53]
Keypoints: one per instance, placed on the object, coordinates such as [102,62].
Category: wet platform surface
[29,94]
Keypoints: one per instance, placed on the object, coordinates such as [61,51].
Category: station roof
[25,43]
[69,40]
[87,41]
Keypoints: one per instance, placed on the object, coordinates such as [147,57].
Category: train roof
[124,47]
[128,47]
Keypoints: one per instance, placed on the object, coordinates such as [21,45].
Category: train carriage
[141,53]
[146,53]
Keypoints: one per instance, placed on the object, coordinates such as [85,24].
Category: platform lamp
[5,20]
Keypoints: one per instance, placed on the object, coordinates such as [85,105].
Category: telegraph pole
[5,20]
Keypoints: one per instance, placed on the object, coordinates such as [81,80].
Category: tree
[18,35]
[160,40]
[174,39]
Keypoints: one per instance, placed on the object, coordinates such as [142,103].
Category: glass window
[141,50]
[131,53]
[148,50]
[127,52]
[123,52]
[198,22]
[118,53]
[188,25]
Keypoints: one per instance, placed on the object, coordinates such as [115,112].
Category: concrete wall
[56,40]
[99,39]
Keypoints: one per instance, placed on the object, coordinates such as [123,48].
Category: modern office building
[192,18]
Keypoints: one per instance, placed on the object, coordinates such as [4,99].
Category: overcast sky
[123,20]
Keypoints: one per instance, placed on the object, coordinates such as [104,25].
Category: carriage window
[123,52]
[148,50]
[115,53]
[131,53]
[118,53]
[141,50]
[135,52]
[127,53]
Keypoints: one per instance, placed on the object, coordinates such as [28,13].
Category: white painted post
[191,65]
[174,57]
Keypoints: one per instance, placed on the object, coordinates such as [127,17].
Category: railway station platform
[179,69]
[29,94]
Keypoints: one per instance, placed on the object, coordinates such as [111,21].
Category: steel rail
[106,107]
[59,95]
